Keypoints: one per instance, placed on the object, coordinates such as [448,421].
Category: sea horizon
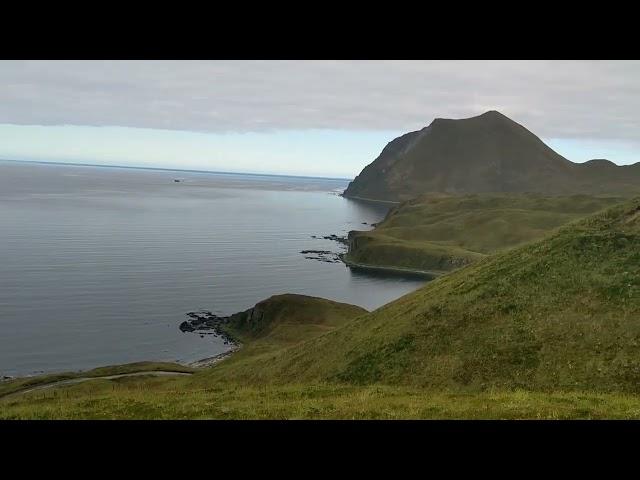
[164,169]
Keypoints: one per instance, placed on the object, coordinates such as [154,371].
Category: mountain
[489,153]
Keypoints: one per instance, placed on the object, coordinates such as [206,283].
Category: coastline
[77,375]
[370,199]
[432,274]
[210,361]
[234,344]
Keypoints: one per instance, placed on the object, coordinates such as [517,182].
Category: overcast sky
[256,115]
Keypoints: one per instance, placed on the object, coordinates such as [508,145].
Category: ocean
[99,265]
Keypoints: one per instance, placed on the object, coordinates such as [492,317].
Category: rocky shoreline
[327,256]
[207,323]
[210,361]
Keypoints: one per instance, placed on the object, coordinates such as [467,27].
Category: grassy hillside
[193,398]
[440,232]
[282,321]
[562,313]
[279,315]
[18,384]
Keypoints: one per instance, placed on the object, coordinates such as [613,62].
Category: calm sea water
[99,265]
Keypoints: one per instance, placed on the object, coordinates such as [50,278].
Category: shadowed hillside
[439,232]
[289,317]
[489,153]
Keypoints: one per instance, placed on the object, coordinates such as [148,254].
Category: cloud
[554,99]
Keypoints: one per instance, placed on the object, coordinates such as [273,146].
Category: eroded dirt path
[71,381]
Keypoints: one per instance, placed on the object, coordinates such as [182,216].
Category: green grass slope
[562,313]
[12,386]
[439,233]
[287,318]
[283,321]
[182,398]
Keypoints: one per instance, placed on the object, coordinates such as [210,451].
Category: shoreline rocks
[343,240]
[210,361]
[327,256]
[207,323]
[322,256]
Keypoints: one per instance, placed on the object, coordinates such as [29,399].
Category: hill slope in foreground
[438,232]
[561,313]
[489,153]
[550,329]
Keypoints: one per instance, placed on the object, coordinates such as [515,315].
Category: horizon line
[217,172]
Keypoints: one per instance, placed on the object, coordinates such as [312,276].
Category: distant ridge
[489,153]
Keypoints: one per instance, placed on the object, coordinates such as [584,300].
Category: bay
[99,265]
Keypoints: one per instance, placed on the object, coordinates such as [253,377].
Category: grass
[285,319]
[182,398]
[440,233]
[12,386]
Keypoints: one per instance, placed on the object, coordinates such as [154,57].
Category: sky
[317,118]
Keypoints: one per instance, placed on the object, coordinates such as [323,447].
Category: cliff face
[489,153]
